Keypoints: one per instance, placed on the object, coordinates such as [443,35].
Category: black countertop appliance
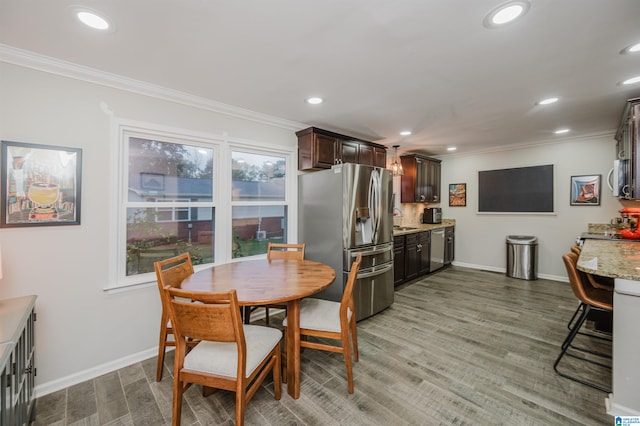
[432,215]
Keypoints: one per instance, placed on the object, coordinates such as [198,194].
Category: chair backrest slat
[285,251]
[205,316]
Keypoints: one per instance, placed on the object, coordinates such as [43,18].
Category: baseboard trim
[504,271]
[91,373]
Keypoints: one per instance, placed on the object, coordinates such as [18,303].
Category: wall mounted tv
[516,190]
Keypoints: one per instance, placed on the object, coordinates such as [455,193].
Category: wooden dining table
[265,282]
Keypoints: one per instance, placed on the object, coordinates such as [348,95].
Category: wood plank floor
[458,347]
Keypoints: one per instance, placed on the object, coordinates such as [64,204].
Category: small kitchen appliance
[432,215]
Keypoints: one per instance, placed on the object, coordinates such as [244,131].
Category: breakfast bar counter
[620,259]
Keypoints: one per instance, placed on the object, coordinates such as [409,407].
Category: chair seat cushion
[221,358]
[319,314]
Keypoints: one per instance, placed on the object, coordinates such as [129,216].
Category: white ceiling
[429,66]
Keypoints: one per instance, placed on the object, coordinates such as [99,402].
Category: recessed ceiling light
[405,133]
[92,20]
[548,101]
[314,100]
[634,48]
[632,80]
[505,13]
[561,131]
[451,148]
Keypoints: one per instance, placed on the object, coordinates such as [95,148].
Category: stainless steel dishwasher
[437,249]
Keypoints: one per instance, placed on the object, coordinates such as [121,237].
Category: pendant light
[396,166]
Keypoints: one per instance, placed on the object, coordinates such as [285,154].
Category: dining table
[264,282]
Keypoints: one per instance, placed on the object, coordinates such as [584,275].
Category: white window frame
[291,176]
[222,146]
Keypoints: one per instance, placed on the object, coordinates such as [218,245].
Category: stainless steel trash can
[522,257]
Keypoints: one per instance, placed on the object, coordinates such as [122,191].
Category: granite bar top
[420,227]
[612,258]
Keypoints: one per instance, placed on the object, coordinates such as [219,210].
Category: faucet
[397,212]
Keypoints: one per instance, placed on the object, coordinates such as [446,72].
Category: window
[258,200]
[170,187]
[169,201]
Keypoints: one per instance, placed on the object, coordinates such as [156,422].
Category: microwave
[432,215]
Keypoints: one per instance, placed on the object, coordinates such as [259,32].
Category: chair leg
[354,339]
[283,363]
[276,372]
[240,403]
[177,400]
[161,348]
[567,344]
[346,351]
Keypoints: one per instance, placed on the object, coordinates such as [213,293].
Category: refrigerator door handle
[373,251]
[375,272]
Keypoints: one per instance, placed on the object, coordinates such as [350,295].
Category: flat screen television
[516,190]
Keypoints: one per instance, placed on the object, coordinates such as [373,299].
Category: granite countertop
[612,258]
[420,227]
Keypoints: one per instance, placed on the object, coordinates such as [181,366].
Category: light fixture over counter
[396,166]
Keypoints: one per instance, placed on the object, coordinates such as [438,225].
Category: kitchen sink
[403,228]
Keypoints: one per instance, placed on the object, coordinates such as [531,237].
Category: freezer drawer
[372,256]
[373,291]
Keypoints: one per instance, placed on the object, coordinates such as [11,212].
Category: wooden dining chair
[227,356]
[169,272]
[591,299]
[276,251]
[332,320]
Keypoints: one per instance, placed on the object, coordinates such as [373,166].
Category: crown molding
[28,59]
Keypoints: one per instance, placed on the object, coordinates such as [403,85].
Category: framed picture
[40,185]
[152,181]
[585,190]
[457,194]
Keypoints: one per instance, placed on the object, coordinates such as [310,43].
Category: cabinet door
[412,258]
[423,245]
[422,179]
[450,245]
[433,174]
[398,260]
[379,157]
[349,152]
[324,150]
[365,155]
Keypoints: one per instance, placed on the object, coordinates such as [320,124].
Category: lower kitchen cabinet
[398,260]
[17,369]
[412,254]
[412,257]
[424,250]
[449,244]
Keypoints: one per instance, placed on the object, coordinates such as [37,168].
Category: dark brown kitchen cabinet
[412,257]
[321,149]
[421,180]
[424,244]
[449,244]
[628,152]
[398,260]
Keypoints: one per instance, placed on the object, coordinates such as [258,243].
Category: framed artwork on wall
[585,190]
[40,185]
[457,194]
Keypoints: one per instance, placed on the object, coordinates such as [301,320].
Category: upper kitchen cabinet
[421,180]
[321,149]
[627,166]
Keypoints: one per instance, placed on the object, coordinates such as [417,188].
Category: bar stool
[591,299]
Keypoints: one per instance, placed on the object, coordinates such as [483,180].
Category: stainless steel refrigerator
[344,211]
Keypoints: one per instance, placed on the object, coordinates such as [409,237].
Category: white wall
[480,238]
[81,330]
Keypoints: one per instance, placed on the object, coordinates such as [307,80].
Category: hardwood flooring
[458,347]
